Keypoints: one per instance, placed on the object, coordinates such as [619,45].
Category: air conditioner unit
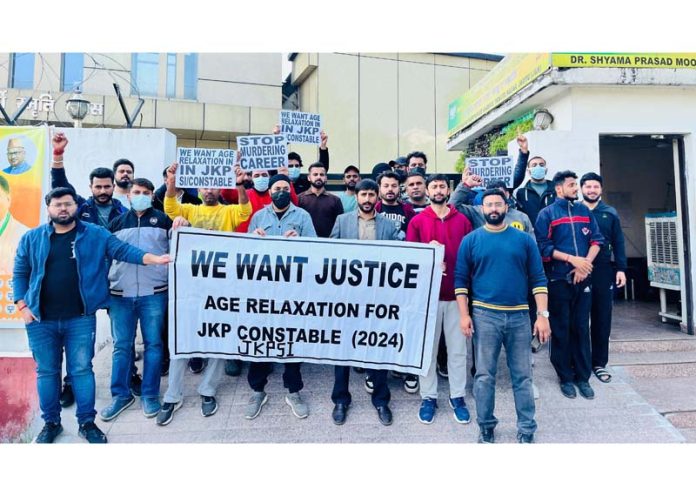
[664,269]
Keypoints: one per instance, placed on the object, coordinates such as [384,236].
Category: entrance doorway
[641,179]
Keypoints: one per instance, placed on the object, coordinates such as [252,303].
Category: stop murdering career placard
[492,169]
[263,152]
[300,127]
[205,168]
[370,304]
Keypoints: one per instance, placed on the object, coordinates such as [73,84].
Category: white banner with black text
[368,304]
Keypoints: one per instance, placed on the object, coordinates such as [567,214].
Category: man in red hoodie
[442,224]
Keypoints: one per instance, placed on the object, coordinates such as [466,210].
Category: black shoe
[49,433]
[67,398]
[196,365]
[486,435]
[385,415]
[585,389]
[233,367]
[568,389]
[339,414]
[359,370]
[92,433]
[442,370]
[525,438]
[136,385]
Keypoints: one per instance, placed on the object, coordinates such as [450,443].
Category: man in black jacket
[603,278]
[301,183]
[537,193]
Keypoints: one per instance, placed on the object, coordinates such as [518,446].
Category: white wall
[150,150]
[585,112]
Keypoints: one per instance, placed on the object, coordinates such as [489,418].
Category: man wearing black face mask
[280,218]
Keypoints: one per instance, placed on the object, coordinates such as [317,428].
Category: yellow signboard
[634,60]
[512,74]
[517,70]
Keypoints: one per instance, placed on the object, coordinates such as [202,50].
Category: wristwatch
[544,314]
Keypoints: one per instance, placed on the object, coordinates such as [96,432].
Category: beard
[590,200]
[438,199]
[499,218]
[318,184]
[63,220]
[351,186]
[367,207]
[123,183]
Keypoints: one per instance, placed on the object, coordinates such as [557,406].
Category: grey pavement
[618,414]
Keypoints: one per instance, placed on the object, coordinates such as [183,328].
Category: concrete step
[661,370]
[652,345]
[652,357]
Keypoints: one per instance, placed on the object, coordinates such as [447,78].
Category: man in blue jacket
[569,240]
[60,282]
[138,295]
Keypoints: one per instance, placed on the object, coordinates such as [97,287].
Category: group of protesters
[520,268]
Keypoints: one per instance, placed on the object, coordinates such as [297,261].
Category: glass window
[22,70]
[145,74]
[191,76]
[73,71]
[171,75]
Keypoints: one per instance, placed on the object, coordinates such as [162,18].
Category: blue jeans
[47,339]
[510,329]
[125,313]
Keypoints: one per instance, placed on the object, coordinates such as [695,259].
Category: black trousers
[602,302]
[259,372]
[569,306]
[341,394]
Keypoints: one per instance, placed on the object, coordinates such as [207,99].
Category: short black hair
[4,185]
[295,156]
[143,183]
[122,161]
[366,184]
[416,155]
[415,173]
[164,172]
[591,176]
[349,168]
[315,165]
[60,192]
[493,192]
[436,177]
[390,175]
[498,183]
[535,156]
[560,177]
[101,173]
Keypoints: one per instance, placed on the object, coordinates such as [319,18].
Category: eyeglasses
[14,152]
[62,205]
[291,166]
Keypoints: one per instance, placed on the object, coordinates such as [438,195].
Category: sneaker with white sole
[166,413]
[115,408]
[297,405]
[208,406]
[411,383]
[369,385]
[255,404]
[461,412]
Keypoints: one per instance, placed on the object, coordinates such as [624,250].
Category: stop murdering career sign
[356,303]
[492,169]
[264,152]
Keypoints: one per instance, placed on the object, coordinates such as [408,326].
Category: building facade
[378,106]
[205,99]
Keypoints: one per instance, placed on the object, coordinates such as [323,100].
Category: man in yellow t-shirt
[214,216]
[211,214]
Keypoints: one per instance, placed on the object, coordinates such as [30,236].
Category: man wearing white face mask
[537,193]
[138,294]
